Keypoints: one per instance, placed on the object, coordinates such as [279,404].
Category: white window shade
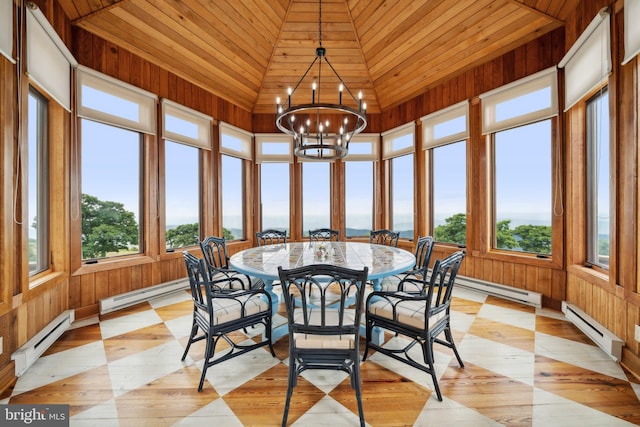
[235,142]
[49,61]
[631,30]
[447,125]
[111,101]
[272,148]
[364,147]
[399,141]
[588,62]
[6,29]
[184,125]
[524,101]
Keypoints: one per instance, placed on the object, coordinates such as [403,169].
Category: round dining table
[263,262]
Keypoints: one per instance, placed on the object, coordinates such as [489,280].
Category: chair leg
[269,330]
[449,336]
[355,379]
[427,350]
[292,381]
[368,327]
[194,331]
[208,354]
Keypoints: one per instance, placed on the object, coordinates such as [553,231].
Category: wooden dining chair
[217,313]
[421,316]
[324,327]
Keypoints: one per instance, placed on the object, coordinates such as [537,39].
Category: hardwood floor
[523,367]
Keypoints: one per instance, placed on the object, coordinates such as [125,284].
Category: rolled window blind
[447,125]
[364,147]
[235,142]
[524,101]
[184,125]
[398,141]
[276,147]
[49,61]
[108,100]
[588,62]
[631,30]
[6,29]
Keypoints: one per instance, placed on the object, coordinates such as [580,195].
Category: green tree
[504,236]
[227,234]
[535,238]
[106,227]
[183,235]
[454,231]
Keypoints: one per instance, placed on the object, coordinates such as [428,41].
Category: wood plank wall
[610,297]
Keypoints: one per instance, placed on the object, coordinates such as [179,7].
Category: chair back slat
[214,250]
[443,276]
[424,249]
[321,295]
[271,237]
[324,235]
[384,237]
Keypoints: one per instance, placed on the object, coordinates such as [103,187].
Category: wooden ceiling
[249,51]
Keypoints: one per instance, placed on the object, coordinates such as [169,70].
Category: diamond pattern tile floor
[523,367]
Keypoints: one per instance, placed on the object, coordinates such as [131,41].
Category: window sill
[519,258]
[590,275]
[110,264]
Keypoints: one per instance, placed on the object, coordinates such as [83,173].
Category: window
[111,190]
[443,136]
[235,147]
[359,179]
[522,188]
[274,155]
[38,183]
[185,132]
[358,198]
[520,118]
[449,199]
[232,197]
[316,196]
[397,149]
[598,180]
[182,195]
[114,118]
[402,195]
[274,196]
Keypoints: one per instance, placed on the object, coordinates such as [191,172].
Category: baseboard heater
[507,292]
[117,302]
[26,355]
[605,339]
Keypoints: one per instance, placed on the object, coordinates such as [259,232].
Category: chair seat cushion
[337,341]
[230,309]
[391,284]
[408,312]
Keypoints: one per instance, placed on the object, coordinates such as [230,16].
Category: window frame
[591,187]
[490,124]
[389,153]
[146,126]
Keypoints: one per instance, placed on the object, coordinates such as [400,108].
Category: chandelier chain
[320,25]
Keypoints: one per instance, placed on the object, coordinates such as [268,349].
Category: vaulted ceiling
[249,51]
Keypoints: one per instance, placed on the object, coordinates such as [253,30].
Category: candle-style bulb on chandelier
[321,130]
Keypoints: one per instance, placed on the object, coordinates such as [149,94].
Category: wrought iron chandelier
[321,130]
